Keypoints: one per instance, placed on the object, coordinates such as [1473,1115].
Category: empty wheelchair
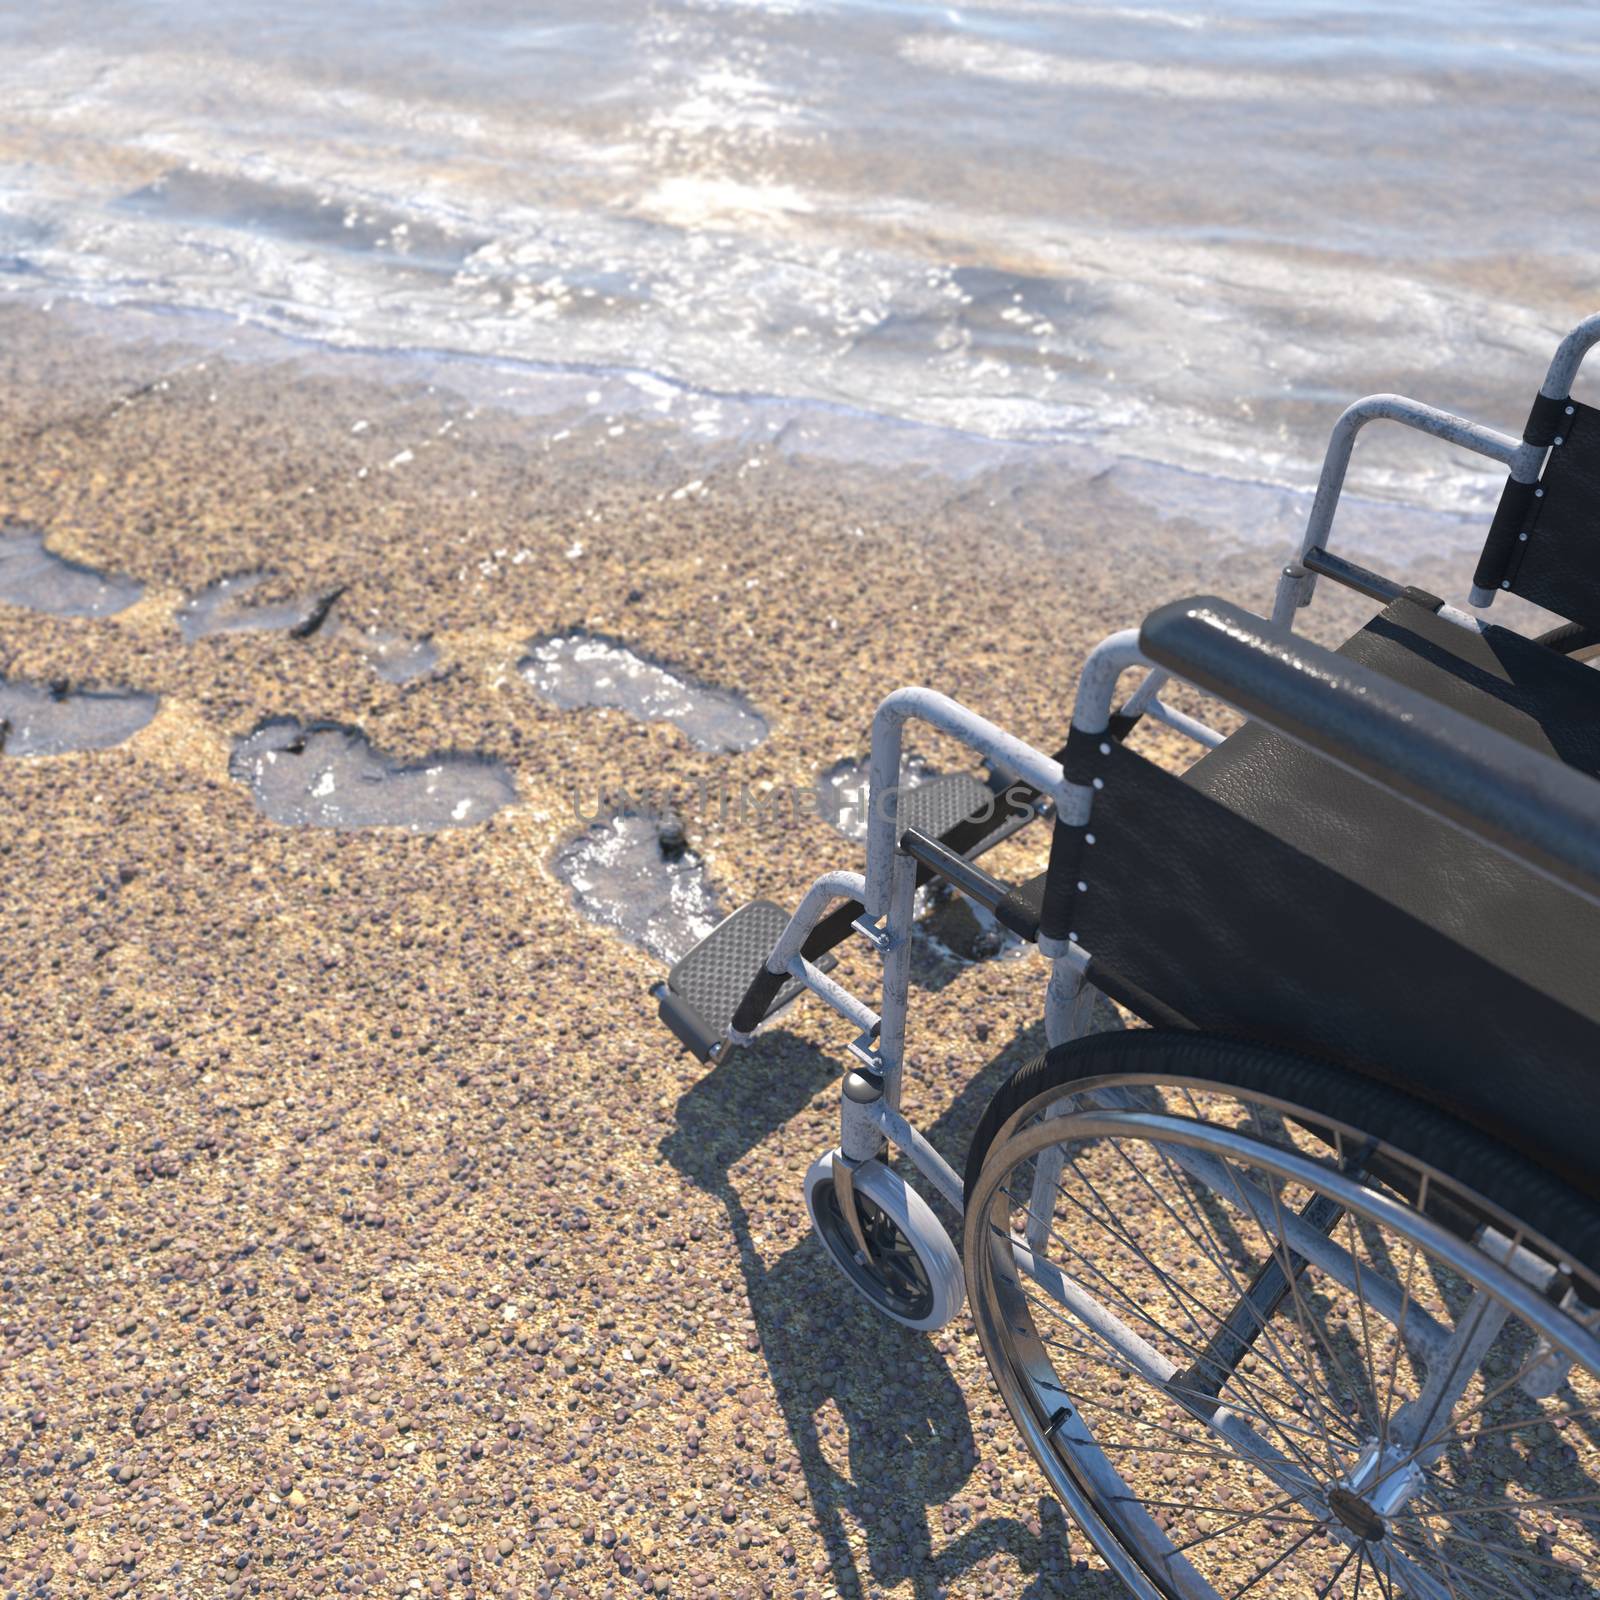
[1295,1289]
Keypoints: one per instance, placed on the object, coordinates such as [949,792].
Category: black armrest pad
[1519,801]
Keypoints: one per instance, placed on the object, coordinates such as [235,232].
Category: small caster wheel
[912,1273]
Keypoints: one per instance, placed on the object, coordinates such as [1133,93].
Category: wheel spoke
[1501,1507]
[1119,1359]
[1379,1417]
[1192,1350]
[1218,1258]
[1440,1563]
[1273,1565]
[1281,1253]
[1273,1513]
[1106,1405]
[1305,1461]
[1387,1409]
[1380,1573]
[1294,1329]
[1481,1548]
[1338,1572]
[1303,1311]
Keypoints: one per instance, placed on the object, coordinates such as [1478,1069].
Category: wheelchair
[1292,1285]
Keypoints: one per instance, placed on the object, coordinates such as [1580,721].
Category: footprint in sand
[41,721]
[323,775]
[220,608]
[32,576]
[633,873]
[576,670]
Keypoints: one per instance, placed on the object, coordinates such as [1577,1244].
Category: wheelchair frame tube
[1522,458]
[829,887]
[1097,684]
[1568,358]
[977,733]
[897,976]
[1296,584]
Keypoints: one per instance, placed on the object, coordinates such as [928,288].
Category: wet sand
[364,1233]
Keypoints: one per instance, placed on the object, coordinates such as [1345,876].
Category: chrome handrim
[1419,1415]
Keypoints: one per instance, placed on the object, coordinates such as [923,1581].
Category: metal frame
[1523,460]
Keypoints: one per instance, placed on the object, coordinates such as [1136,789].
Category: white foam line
[1013,64]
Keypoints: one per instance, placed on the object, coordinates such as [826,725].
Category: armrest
[1516,799]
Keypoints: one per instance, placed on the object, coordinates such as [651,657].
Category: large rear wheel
[1271,1328]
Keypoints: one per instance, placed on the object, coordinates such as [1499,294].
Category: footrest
[704,989]
[960,800]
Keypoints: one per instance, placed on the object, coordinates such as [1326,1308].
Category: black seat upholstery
[1270,892]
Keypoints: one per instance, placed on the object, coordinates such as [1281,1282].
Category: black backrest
[1544,543]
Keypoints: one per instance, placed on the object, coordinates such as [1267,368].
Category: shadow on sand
[906,1426]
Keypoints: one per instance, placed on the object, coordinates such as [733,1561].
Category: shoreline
[720,423]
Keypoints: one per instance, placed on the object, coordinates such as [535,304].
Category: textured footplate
[937,806]
[703,991]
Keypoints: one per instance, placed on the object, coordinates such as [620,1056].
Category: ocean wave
[1014,64]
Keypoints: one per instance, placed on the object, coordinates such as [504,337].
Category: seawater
[1174,236]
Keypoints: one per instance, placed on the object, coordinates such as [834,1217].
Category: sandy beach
[364,1231]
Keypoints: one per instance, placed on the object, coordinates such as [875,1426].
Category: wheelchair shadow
[877,1419]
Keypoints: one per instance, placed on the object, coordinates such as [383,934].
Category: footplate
[960,801]
[704,989]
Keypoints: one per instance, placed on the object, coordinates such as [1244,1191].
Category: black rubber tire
[1570,639]
[1524,1192]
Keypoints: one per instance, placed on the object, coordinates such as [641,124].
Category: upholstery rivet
[1557,439]
[1083,888]
[1088,838]
[1099,783]
[1105,749]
